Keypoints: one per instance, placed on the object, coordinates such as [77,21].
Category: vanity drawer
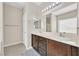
[42,39]
[43,46]
[42,52]
[35,42]
[43,43]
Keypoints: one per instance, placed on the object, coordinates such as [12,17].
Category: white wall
[12,24]
[78,18]
[78,24]
[53,24]
[1,29]
[25,13]
[1,20]
[30,11]
[43,23]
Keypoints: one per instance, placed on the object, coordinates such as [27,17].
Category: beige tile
[12,15]
[12,34]
[15,50]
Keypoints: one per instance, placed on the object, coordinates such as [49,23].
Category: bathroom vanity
[48,45]
[64,22]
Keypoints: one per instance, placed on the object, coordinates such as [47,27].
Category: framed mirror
[67,23]
[37,23]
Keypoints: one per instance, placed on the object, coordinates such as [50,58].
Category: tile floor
[19,50]
[31,52]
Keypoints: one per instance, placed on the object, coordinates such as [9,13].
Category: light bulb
[42,10]
[53,4]
[47,8]
[50,6]
[57,2]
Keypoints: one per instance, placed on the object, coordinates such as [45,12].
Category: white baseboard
[29,48]
[13,44]
[24,45]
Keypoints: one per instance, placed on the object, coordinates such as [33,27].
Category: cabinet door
[42,46]
[35,42]
[58,49]
[74,51]
[78,51]
[43,43]
[50,47]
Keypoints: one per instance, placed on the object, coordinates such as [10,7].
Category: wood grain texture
[48,47]
[58,49]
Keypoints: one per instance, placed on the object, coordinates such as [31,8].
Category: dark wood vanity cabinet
[58,49]
[42,46]
[48,47]
[35,42]
[61,49]
[39,44]
[78,51]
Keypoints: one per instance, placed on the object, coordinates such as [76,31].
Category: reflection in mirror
[48,23]
[37,23]
[67,24]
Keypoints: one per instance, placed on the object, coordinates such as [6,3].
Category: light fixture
[42,10]
[51,6]
[35,19]
[47,8]
[57,2]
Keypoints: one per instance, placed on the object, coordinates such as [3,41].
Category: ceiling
[21,4]
[16,4]
[38,3]
[43,5]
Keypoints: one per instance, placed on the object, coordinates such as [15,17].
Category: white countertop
[56,38]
